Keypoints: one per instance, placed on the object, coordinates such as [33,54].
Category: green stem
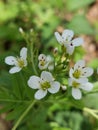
[94,91]
[23,115]
[32,59]
[22,76]
[90,111]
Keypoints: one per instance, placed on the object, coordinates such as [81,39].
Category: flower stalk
[23,115]
[32,58]
[91,111]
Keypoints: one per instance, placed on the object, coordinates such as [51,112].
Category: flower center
[20,62]
[45,85]
[77,74]
[42,62]
[75,84]
[66,42]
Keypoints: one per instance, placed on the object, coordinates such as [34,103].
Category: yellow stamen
[20,62]
[42,63]
[75,84]
[77,74]
[45,85]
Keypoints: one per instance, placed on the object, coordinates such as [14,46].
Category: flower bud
[63,87]
[21,30]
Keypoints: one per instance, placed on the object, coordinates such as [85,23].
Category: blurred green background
[46,17]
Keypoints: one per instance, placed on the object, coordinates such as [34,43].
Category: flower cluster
[78,79]
[49,68]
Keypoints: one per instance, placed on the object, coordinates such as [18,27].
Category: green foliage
[66,120]
[9,11]
[94,63]
[80,24]
[73,5]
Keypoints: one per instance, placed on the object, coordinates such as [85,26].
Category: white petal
[10,60]
[23,53]
[70,80]
[87,86]
[47,76]
[49,58]
[67,35]
[82,80]
[40,94]
[14,70]
[50,67]
[79,64]
[34,82]
[77,41]
[58,37]
[69,49]
[71,72]
[25,63]
[55,86]
[76,93]
[41,57]
[41,67]
[87,72]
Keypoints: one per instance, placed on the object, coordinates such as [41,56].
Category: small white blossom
[66,40]
[45,62]
[64,87]
[17,62]
[80,71]
[21,30]
[44,84]
[77,85]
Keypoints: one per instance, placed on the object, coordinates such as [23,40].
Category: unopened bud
[63,87]
[21,30]
[55,50]
[31,30]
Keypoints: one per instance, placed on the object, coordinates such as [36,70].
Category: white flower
[80,71]
[77,85]
[17,62]
[45,62]
[44,84]
[66,40]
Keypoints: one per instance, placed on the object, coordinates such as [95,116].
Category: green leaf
[7,107]
[77,103]
[10,33]
[80,25]
[91,100]
[38,117]
[7,11]
[77,4]
[95,86]
[16,112]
